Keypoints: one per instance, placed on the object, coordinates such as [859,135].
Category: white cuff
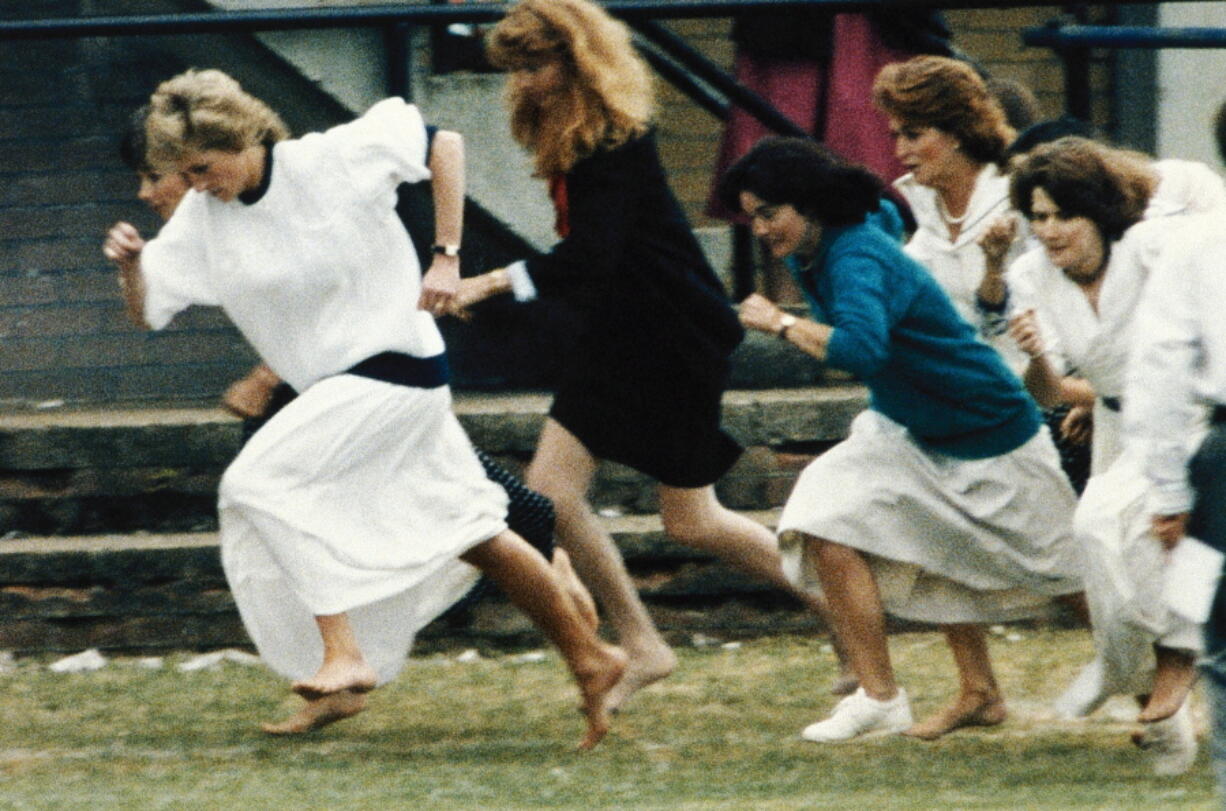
[1169,499]
[521,283]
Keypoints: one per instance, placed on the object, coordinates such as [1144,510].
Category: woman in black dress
[644,372]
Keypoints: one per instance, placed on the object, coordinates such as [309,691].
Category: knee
[563,496]
[688,526]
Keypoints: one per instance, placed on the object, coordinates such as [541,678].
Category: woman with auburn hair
[1077,297]
[643,376]
[359,511]
[945,504]
[951,135]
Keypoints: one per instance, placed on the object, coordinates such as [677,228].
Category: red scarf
[561,204]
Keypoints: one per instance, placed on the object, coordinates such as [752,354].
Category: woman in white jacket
[1077,296]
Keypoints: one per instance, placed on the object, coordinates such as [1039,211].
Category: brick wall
[62,330]
[992,37]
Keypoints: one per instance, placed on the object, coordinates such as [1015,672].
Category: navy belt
[1219,415]
[405,370]
[1113,403]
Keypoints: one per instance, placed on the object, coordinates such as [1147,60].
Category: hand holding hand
[1024,329]
[439,285]
[1169,529]
[760,313]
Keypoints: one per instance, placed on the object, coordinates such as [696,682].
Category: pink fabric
[834,102]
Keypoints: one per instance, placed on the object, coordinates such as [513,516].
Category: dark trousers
[1207,475]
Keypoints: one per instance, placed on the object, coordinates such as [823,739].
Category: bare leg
[979,702]
[694,517]
[539,591]
[344,667]
[579,595]
[562,470]
[1173,679]
[859,619]
[319,713]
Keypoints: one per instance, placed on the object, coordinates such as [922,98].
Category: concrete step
[69,471]
[167,591]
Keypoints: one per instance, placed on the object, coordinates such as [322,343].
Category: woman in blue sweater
[946,503]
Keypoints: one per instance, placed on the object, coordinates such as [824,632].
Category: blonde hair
[936,91]
[206,109]
[607,97]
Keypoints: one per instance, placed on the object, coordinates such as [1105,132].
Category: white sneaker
[1170,743]
[858,714]
[1084,695]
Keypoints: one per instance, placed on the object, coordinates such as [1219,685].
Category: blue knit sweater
[896,330]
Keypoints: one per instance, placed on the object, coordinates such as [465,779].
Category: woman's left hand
[760,313]
[439,285]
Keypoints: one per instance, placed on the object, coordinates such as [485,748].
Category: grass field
[498,733]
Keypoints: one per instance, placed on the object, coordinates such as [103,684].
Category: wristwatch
[786,321]
[447,250]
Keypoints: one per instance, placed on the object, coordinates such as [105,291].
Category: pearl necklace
[948,218]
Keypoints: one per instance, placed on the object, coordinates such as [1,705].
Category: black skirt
[667,429]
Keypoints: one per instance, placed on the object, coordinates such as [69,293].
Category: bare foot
[1172,682]
[573,586]
[335,676]
[318,713]
[596,680]
[967,710]
[642,669]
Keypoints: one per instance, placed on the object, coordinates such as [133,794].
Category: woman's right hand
[997,239]
[760,313]
[123,245]
[1024,329]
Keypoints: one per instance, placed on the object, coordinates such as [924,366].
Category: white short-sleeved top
[319,273]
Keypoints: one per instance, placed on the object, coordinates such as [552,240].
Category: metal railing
[676,61]
[1073,42]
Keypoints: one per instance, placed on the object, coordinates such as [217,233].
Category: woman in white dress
[360,511]
[1077,297]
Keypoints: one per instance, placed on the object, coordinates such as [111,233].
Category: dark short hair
[806,175]
[1044,132]
[1110,187]
[132,143]
[1018,101]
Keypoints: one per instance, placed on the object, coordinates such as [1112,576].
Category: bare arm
[761,314]
[447,168]
[123,246]
[1045,384]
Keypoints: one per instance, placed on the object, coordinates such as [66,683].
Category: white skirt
[949,540]
[1123,577]
[358,497]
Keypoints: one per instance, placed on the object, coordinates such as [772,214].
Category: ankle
[882,694]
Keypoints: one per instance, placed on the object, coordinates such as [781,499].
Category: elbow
[864,363]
